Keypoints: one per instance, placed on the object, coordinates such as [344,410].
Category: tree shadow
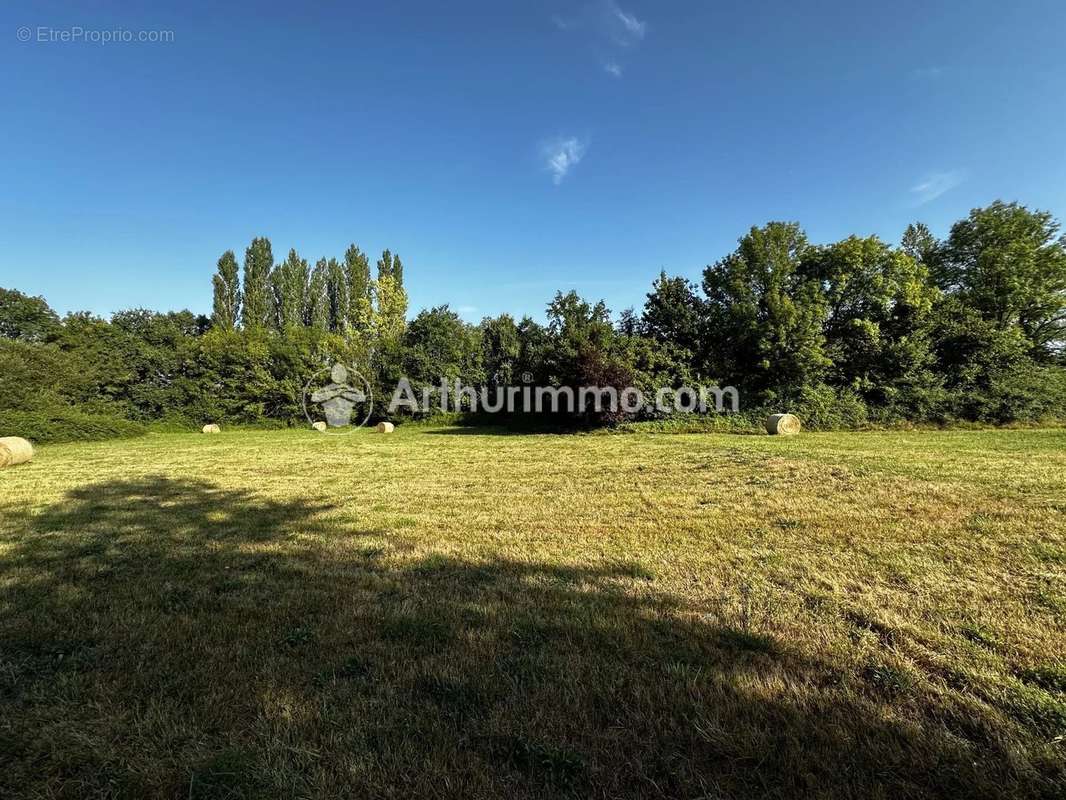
[168,638]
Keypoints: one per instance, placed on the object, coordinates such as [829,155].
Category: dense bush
[50,425]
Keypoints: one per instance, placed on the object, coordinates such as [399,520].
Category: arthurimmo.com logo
[338,400]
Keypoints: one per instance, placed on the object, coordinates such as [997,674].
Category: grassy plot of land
[455,613]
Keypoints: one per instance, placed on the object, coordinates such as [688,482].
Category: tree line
[970,328]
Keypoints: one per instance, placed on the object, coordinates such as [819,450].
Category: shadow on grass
[167,638]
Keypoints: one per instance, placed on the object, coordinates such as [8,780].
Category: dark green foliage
[1008,264]
[227,293]
[438,344]
[57,424]
[357,274]
[877,326]
[989,370]
[29,319]
[673,313]
[336,297]
[500,347]
[289,287]
[258,264]
[765,316]
[316,303]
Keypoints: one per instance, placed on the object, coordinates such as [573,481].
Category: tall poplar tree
[316,302]
[390,312]
[258,263]
[289,283]
[227,293]
[357,275]
[336,297]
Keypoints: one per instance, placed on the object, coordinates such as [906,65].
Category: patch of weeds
[1046,596]
[1048,554]
[560,768]
[1049,677]
[978,523]
[371,553]
[785,524]
[885,634]
[229,775]
[887,680]
[405,522]
[1037,709]
[979,634]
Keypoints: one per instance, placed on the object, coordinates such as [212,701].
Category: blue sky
[505,149]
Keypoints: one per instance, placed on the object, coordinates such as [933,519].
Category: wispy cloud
[465,310]
[609,29]
[632,29]
[562,155]
[935,184]
[562,23]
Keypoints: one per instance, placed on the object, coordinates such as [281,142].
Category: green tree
[500,348]
[919,243]
[1009,264]
[989,370]
[765,316]
[357,275]
[438,344]
[879,303]
[673,314]
[29,319]
[336,297]
[289,284]
[257,310]
[390,311]
[227,293]
[316,303]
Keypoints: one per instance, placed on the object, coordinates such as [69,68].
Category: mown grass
[460,613]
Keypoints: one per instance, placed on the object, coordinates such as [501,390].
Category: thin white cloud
[562,23]
[465,310]
[562,155]
[609,29]
[935,184]
[633,28]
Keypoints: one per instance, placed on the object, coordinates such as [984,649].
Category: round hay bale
[385,427]
[212,429]
[783,425]
[14,450]
[319,426]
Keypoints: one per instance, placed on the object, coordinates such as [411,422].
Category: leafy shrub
[824,408]
[45,426]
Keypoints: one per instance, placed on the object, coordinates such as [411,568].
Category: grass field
[455,613]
